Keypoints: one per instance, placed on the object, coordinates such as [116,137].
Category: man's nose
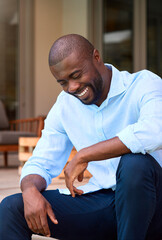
[73,86]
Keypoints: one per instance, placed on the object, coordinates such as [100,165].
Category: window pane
[154,36]
[9,55]
[117,33]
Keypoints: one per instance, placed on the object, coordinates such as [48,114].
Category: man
[114,120]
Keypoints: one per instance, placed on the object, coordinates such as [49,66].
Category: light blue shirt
[132,111]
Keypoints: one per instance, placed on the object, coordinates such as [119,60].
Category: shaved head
[67,44]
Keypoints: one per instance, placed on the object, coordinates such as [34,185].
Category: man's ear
[96,55]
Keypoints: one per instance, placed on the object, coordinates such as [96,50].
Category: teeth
[82,93]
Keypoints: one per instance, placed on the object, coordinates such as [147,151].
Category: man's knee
[133,169]
[12,204]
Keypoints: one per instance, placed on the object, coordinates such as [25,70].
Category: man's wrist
[28,188]
[83,156]
[33,181]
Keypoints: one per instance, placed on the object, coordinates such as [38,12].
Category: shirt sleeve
[145,135]
[52,150]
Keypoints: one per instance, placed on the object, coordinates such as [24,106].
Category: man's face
[80,78]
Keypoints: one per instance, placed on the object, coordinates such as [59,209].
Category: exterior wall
[47,28]
[75,17]
[52,19]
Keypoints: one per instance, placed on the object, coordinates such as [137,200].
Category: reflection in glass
[117,33]
[9,56]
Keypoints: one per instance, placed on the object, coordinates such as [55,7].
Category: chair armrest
[33,125]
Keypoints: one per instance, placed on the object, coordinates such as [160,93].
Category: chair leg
[5,159]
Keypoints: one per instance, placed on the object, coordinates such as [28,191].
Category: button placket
[99,127]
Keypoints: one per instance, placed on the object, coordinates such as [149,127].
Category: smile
[83,92]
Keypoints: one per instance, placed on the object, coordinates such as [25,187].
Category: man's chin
[88,101]
[85,101]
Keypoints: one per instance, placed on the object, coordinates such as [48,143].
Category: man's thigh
[89,216]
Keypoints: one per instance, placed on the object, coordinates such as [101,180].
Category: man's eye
[62,83]
[76,76]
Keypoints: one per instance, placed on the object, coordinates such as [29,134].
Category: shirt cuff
[129,139]
[35,170]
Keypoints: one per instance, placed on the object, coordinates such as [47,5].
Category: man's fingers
[70,187]
[32,225]
[72,191]
[51,215]
[39,225]
[78,191]
[80,177]
[69,184]
[44,224]
[29,224]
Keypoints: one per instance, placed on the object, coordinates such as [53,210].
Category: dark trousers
[132,212]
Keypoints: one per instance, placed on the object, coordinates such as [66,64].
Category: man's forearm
[33,181]
[104,150]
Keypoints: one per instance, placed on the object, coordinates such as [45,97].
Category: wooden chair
[10,131]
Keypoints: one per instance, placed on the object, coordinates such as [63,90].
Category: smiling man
[92,78]
[114,120]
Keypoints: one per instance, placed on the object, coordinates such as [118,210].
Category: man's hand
[103,150]
[36,209]
[75,169]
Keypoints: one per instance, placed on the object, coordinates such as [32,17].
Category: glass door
[9,56]
[118,33]
[154,36]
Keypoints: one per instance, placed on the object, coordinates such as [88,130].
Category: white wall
[52,19]
[47,28]
[75,17]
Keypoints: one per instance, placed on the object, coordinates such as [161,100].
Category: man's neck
[106,76]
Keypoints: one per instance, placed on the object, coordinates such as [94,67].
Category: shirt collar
[117,83]
[116,87]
